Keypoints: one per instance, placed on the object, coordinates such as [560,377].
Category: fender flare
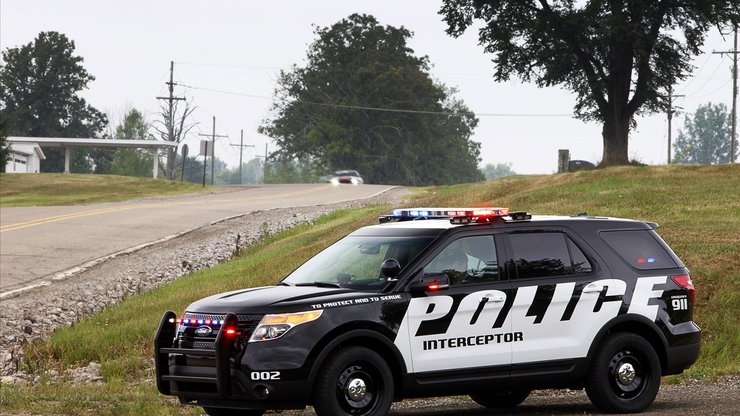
[340,336]
[627,319]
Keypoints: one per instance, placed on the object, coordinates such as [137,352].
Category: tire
[354,381]
[219,411]
[504,399]
[633,390]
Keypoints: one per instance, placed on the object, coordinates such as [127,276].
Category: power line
[390,110]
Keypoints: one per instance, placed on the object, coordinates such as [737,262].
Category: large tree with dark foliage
[363,101]
[618,56]
[39,87]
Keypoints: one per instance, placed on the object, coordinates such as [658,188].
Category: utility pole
[241,149]
[733,137]
[264,165]
[213,148]
[670,117]
[171,117]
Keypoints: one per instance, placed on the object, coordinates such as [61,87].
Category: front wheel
[354,381]
[625,374]
[501,399]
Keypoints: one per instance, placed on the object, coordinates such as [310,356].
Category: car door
[562,297]
[464,326]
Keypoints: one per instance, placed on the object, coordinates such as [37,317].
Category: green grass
[47,189]
[698,209]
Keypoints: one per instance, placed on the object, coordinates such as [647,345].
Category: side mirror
[429,283]
[390,268]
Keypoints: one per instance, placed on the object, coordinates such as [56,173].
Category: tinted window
[467,260]
[639,248]
[581,265]
[547,254]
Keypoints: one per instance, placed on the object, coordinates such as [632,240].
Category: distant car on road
[347,176]
[576,165]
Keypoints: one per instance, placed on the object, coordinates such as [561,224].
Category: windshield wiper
[319,284]
[283,284]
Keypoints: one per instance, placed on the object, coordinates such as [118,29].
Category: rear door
[562,296]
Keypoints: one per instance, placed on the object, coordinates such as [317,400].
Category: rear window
[642,249]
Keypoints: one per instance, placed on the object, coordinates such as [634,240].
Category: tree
[300,170]
[706,136]
[499,170]
[39,87]
[365,102]
[4,146]
[132,162]
[616,56]
[181,126]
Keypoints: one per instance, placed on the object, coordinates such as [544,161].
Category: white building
[24,158]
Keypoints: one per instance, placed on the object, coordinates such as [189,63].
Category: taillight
[684,281]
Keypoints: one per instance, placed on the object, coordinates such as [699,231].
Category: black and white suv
[444,301]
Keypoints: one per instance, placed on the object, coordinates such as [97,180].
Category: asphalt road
[41,244]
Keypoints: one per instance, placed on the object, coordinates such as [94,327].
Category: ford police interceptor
[444,301]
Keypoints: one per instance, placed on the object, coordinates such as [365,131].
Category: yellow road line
[41,221]
[48,220]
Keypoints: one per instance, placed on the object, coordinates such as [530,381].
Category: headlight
[275,326]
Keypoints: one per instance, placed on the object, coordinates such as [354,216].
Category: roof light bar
[456,215]
[477,215]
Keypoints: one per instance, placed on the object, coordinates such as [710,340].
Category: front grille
[186,337]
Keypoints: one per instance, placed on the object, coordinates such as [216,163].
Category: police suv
[444,301]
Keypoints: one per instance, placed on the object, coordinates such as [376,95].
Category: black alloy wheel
[354,381]
[625,374]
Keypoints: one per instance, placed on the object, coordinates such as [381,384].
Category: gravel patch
[35,314]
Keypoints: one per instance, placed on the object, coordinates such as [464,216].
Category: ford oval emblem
[203,331]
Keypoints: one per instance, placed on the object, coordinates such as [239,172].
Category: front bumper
[215,377]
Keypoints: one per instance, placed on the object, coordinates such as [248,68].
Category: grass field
[698,208]
[47,189]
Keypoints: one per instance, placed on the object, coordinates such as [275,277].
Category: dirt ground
[694,397]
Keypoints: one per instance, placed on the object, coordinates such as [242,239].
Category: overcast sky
[240,46]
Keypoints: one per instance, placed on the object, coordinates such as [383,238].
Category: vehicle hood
[271,299]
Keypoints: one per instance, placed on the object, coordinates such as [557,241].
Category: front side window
[545,254]
[466,260]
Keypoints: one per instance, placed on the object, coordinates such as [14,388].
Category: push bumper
[222,353]
[191,375]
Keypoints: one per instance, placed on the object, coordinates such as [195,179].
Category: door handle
[493,298]
[592,288]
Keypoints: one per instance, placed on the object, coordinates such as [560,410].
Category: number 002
[265,375]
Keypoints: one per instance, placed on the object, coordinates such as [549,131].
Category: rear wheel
[354,381]
[625,374]
[219,411]
[501,399]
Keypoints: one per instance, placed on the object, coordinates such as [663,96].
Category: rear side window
[547,254]
[640,248]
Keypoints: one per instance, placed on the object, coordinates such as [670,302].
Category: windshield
[354,262]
